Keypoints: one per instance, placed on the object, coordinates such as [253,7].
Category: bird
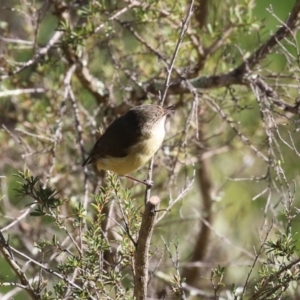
[131,140]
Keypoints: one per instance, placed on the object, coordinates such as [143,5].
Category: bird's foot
[149,183]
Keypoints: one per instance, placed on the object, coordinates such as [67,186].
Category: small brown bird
[130,140]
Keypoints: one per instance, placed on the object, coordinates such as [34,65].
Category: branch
[88,81]
[167,84]
[9,250]
[271,93]
[200,247]
[239,75]
[285,30]
[141,262]
[17,92]
[37,57]
[267,280]
[184,28]
[7,254]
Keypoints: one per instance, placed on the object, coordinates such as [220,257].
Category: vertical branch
[184,28]
[192,274]
[170,68]
[141,262]
[151,204]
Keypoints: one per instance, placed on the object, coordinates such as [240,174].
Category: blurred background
[227,173]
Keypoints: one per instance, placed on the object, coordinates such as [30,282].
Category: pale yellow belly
[138,156]
[123,165]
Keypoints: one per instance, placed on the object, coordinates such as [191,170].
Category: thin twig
[170,68]
[184,28]
[7,253]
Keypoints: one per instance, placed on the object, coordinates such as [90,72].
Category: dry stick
[151,204]
[142,248]
[170,68]
[195,39]
[17,92]
[184,28]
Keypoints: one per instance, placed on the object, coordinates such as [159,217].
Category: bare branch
[7,254]
[274,97]
[166,85]
[239,74]
[184,28]
[37,57]
[141,262]
[285,30]
[200,247]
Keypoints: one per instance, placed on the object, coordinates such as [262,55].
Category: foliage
[226,175]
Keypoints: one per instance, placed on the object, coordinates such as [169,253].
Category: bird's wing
[116,141]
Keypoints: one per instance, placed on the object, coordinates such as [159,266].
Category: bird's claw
[149,183]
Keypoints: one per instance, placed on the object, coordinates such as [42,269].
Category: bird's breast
[151,141]
[139,154]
